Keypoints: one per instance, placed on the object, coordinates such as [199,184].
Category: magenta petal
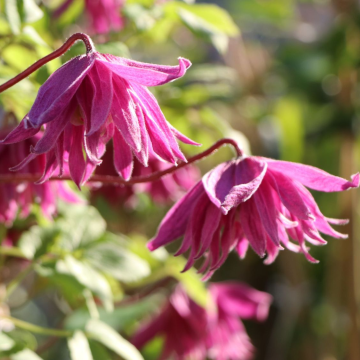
[289,194]
[184,139]
[247,183]
[210,225]
[124,115]
[123,158]
[212,178]
[76,156]
[153,112]
[143,73]
[313,177]
[252,227]
[23,163]
[50,166]
[266,208]
[143,154]
[55,94]
[103,97]
[20,133]
[174,223]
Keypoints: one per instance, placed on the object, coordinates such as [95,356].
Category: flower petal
[20,133]
[123,158]
[249,174]
[55,94]
[103,97]
[124,115]
[143,73]
[313,177]
[76,156]
[252,227]
[174,223]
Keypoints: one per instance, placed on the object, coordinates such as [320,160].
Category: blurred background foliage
[281,75]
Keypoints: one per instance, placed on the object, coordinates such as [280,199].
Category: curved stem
[62,50]
[108,179]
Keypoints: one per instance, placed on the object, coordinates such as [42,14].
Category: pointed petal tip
[185,61]
[151,246]
[225,209]
[355,181]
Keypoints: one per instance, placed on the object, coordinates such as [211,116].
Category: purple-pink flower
[216,332]
[17,198]
[103,15]
[251,200]
[96,97]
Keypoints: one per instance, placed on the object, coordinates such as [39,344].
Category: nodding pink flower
[96,97]
[251,200]
[182,323]
[193,332]
[227,338]
[104,15]
[168,188]
[17,198]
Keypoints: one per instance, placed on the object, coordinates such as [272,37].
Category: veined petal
[20,133]
[76,156]
[143,73]
[265,205]
[54,129]
[101,78]
[289,194]
[252,227]
[123,157]
[124,115]
[184,139]
[249,174]
[55,94]
[313,177]
[50,166]
[174,223]
[152,110]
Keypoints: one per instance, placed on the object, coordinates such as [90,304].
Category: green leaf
[81,226]
[113,258]
[114,341]
[13,16]
[6,343]
[79,347]
[86,275]
[36,241]
[25,354]
[32,12]
[119,319]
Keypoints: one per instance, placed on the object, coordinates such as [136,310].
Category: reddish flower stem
[55,54]
[107,179]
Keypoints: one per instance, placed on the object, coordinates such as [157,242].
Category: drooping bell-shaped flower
[17,198]
[162,191]
[94,98]
[103,15]
[193,332]
[251,200]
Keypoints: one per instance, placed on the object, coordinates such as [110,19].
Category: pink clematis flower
[215,332]
[103,15]
[251,200]
[227,337]
[18,198]
[168,188]
[96,97]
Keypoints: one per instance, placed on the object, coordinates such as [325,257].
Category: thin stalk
[12,251]
[38,329]
[107,179]
[55,54]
